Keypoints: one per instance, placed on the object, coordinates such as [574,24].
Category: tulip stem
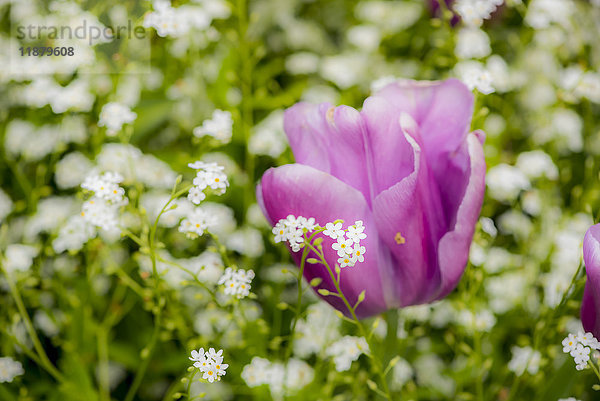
[376,362]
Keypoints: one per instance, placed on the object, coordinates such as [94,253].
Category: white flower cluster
[505,182]
[19,257]
[220,126]
[237,282]
[114,115]
[579,347]
[210,363]
[320,318]
[348,245]
[568,399]
[581,84]
[472,43]
[292,229]
[9,369]
[475,75]
[473,12]
[196,223]
[291,377]
[6,205]
[483,320]
[524,359]
[268,137]
[177,21]
[208,175]
[542,13]
[346,350]
[102,209]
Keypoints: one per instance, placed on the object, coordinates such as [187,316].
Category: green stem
[594,368]
[479,380]
[221,249]
[538,333]
[376,362]
[195,277]
[146,356]
[43,357]
[299,298]
[149,349]
[103,370]
[189,384]
[246,107]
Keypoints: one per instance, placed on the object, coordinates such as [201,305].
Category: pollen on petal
[329,115]
[399,238]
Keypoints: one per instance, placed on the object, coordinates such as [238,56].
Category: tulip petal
[305,191]
[442,109]
[390,154]
[591,299]
[330,139]
[453,248]
[407,219]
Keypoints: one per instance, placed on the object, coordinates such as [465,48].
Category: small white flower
[343,246]
[281,232]
[198,355]
[473,12]
[581,356]
[220,126]
[524,359]
[472,43]
[358,252]
[209,175]
[588,340]
[237,282]
[9,369]
[209,363]
[488,226]
[356,232]
[101,213]
[506,182]
[292,229]
[196,195]
[334,231]
[215,355]
[346,350]
[475,76]
[73,234]
[347,261]
[114,115]
[569,343]
[6,205]
[196,223]
[210,167]
[19,257]
[308,224]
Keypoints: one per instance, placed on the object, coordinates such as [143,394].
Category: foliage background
[263,57]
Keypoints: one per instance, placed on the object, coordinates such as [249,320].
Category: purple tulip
[407,166]
[590,306]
